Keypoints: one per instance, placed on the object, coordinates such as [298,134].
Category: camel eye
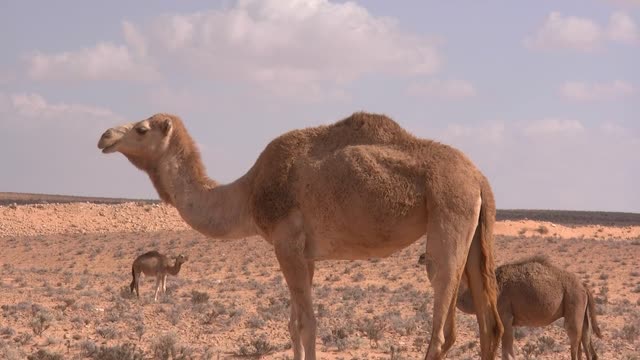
[142,130]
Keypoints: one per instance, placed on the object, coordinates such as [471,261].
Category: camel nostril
[107,134]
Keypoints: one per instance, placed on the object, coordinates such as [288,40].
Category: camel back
[368,154]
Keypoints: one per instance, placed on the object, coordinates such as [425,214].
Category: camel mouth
[107,144]
[109,140]
[109,149]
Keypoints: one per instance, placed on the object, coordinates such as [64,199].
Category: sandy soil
[68,265]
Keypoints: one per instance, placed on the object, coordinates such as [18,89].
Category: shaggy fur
[534,292]
[153,263]
[362,187]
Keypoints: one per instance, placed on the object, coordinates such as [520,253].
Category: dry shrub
[256,347]
[166,347]
[198,297]
[374,329]
[542,230]
[43,354]
[41,322]
[116,352]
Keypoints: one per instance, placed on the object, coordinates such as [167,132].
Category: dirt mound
[86,218]
[83,218]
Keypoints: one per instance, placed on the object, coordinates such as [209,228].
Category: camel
[153,263]
[535,293]
[362,187]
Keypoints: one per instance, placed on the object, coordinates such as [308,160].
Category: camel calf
[155,264]
[533,292]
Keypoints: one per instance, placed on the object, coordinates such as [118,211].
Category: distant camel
[360,188]
[155,264]
[533,292]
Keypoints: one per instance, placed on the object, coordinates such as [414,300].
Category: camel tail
[487,263]
[480,271]
[591,306]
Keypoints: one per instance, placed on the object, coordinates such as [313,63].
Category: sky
[544,96]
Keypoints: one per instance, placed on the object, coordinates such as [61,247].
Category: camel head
[143,142]
[181,259]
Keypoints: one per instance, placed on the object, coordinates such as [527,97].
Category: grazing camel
[533,292]
[155,264]
[360,188]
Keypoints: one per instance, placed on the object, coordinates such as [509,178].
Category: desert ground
[65,270]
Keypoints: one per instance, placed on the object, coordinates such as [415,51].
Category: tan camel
[153,263]
[360,188]
[534,293]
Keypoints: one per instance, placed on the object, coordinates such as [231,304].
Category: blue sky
[542,95]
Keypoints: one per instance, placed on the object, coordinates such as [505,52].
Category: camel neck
[219,211]
[175,269]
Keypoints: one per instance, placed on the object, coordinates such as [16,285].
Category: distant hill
[571,217]
[564,217]
[7,198]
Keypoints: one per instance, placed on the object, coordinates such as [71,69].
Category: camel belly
[362,238]
[361,202]
[533,307]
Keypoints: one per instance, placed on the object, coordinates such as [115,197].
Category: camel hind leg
[587,342]
[134,282]
[574,312]
[448,241]
[507,337]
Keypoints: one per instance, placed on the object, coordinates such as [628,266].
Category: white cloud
[614,129]
[35,107]
[626,2]
[134,39]
[293,42]
[582,34]
[553,126]
[483,133]
[622,28]
[583,91]
[104,61]
[304,48]
[445,89]
[566,32]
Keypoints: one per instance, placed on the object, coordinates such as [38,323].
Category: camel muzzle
[110,138]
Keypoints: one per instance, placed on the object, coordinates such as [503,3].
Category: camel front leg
[294,332]
[164,284]
[158,281]
[296,344]
[298,272]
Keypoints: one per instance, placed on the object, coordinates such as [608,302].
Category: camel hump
[369,122]
[369,128]
[150,254]
[536,259]
[285,158]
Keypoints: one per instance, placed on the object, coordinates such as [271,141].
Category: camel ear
[165,126]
